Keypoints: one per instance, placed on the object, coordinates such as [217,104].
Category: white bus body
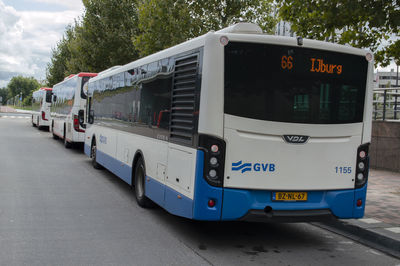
[41,102]
[67,110]
[237,124]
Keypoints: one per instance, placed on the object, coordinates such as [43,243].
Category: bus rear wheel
[52,131]
[93,152]
[67,144]
[38,125]
[140,178]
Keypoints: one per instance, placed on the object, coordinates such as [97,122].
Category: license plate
[290,196]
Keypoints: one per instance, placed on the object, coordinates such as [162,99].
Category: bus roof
[81,74]
[87,74]
[245,32]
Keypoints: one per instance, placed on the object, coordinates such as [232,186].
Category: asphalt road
[55,209]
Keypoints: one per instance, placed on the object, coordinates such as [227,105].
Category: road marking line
[394,229]
[375,252]
[369,221]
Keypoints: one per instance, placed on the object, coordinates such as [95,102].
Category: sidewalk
[383,197]
[380,227]
[6,109]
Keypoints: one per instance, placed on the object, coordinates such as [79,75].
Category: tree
[164,23]
[57,69]
[22,86]
[100,39]
[4,95]
[364,24]
[217,14]
[103,36]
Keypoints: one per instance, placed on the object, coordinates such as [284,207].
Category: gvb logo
[256,167]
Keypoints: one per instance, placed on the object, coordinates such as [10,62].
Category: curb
[20,111]
[372,236]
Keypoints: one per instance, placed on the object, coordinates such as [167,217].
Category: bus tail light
[76,124]
[359,202]
[211,203]
[44,116]
[362,165]
[214,159]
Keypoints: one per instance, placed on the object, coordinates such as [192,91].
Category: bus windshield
[294,84]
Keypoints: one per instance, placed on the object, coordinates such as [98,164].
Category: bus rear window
[294,84]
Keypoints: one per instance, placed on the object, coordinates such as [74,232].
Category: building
[386,79]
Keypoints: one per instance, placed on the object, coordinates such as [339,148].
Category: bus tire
[38,125]
[93,152]
[140,175]
[67,145]
[52,130]
[33,124]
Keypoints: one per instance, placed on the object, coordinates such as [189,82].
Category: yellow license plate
[290,196]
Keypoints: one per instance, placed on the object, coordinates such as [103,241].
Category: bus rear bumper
[288,216]
[240,204]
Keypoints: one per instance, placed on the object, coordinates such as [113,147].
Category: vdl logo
[296,139]
[257,167]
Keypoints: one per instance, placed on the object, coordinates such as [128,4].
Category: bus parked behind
[67,110]
[41,102]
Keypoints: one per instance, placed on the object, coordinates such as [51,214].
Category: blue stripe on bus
[171,200]
[178,204]
[122,170]
[155,191]
[342,203]
[232,204]
[361,194]
[203,193]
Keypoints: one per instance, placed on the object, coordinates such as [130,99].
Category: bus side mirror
[91,117]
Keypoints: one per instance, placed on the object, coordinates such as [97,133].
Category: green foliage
[27,101]
[116,32]
[103,36]
[217,14]
[364,24]
[4,95]
[164,23]
[24,86]
[100,39]
[57,68]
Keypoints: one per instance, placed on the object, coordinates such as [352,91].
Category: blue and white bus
[238,125]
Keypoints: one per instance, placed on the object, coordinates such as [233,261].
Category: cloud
[27,37]
[70,4]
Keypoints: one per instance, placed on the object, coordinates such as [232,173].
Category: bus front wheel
[52,131]
[93,153]
[140,178]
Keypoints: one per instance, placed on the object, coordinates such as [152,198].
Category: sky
[29,29]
